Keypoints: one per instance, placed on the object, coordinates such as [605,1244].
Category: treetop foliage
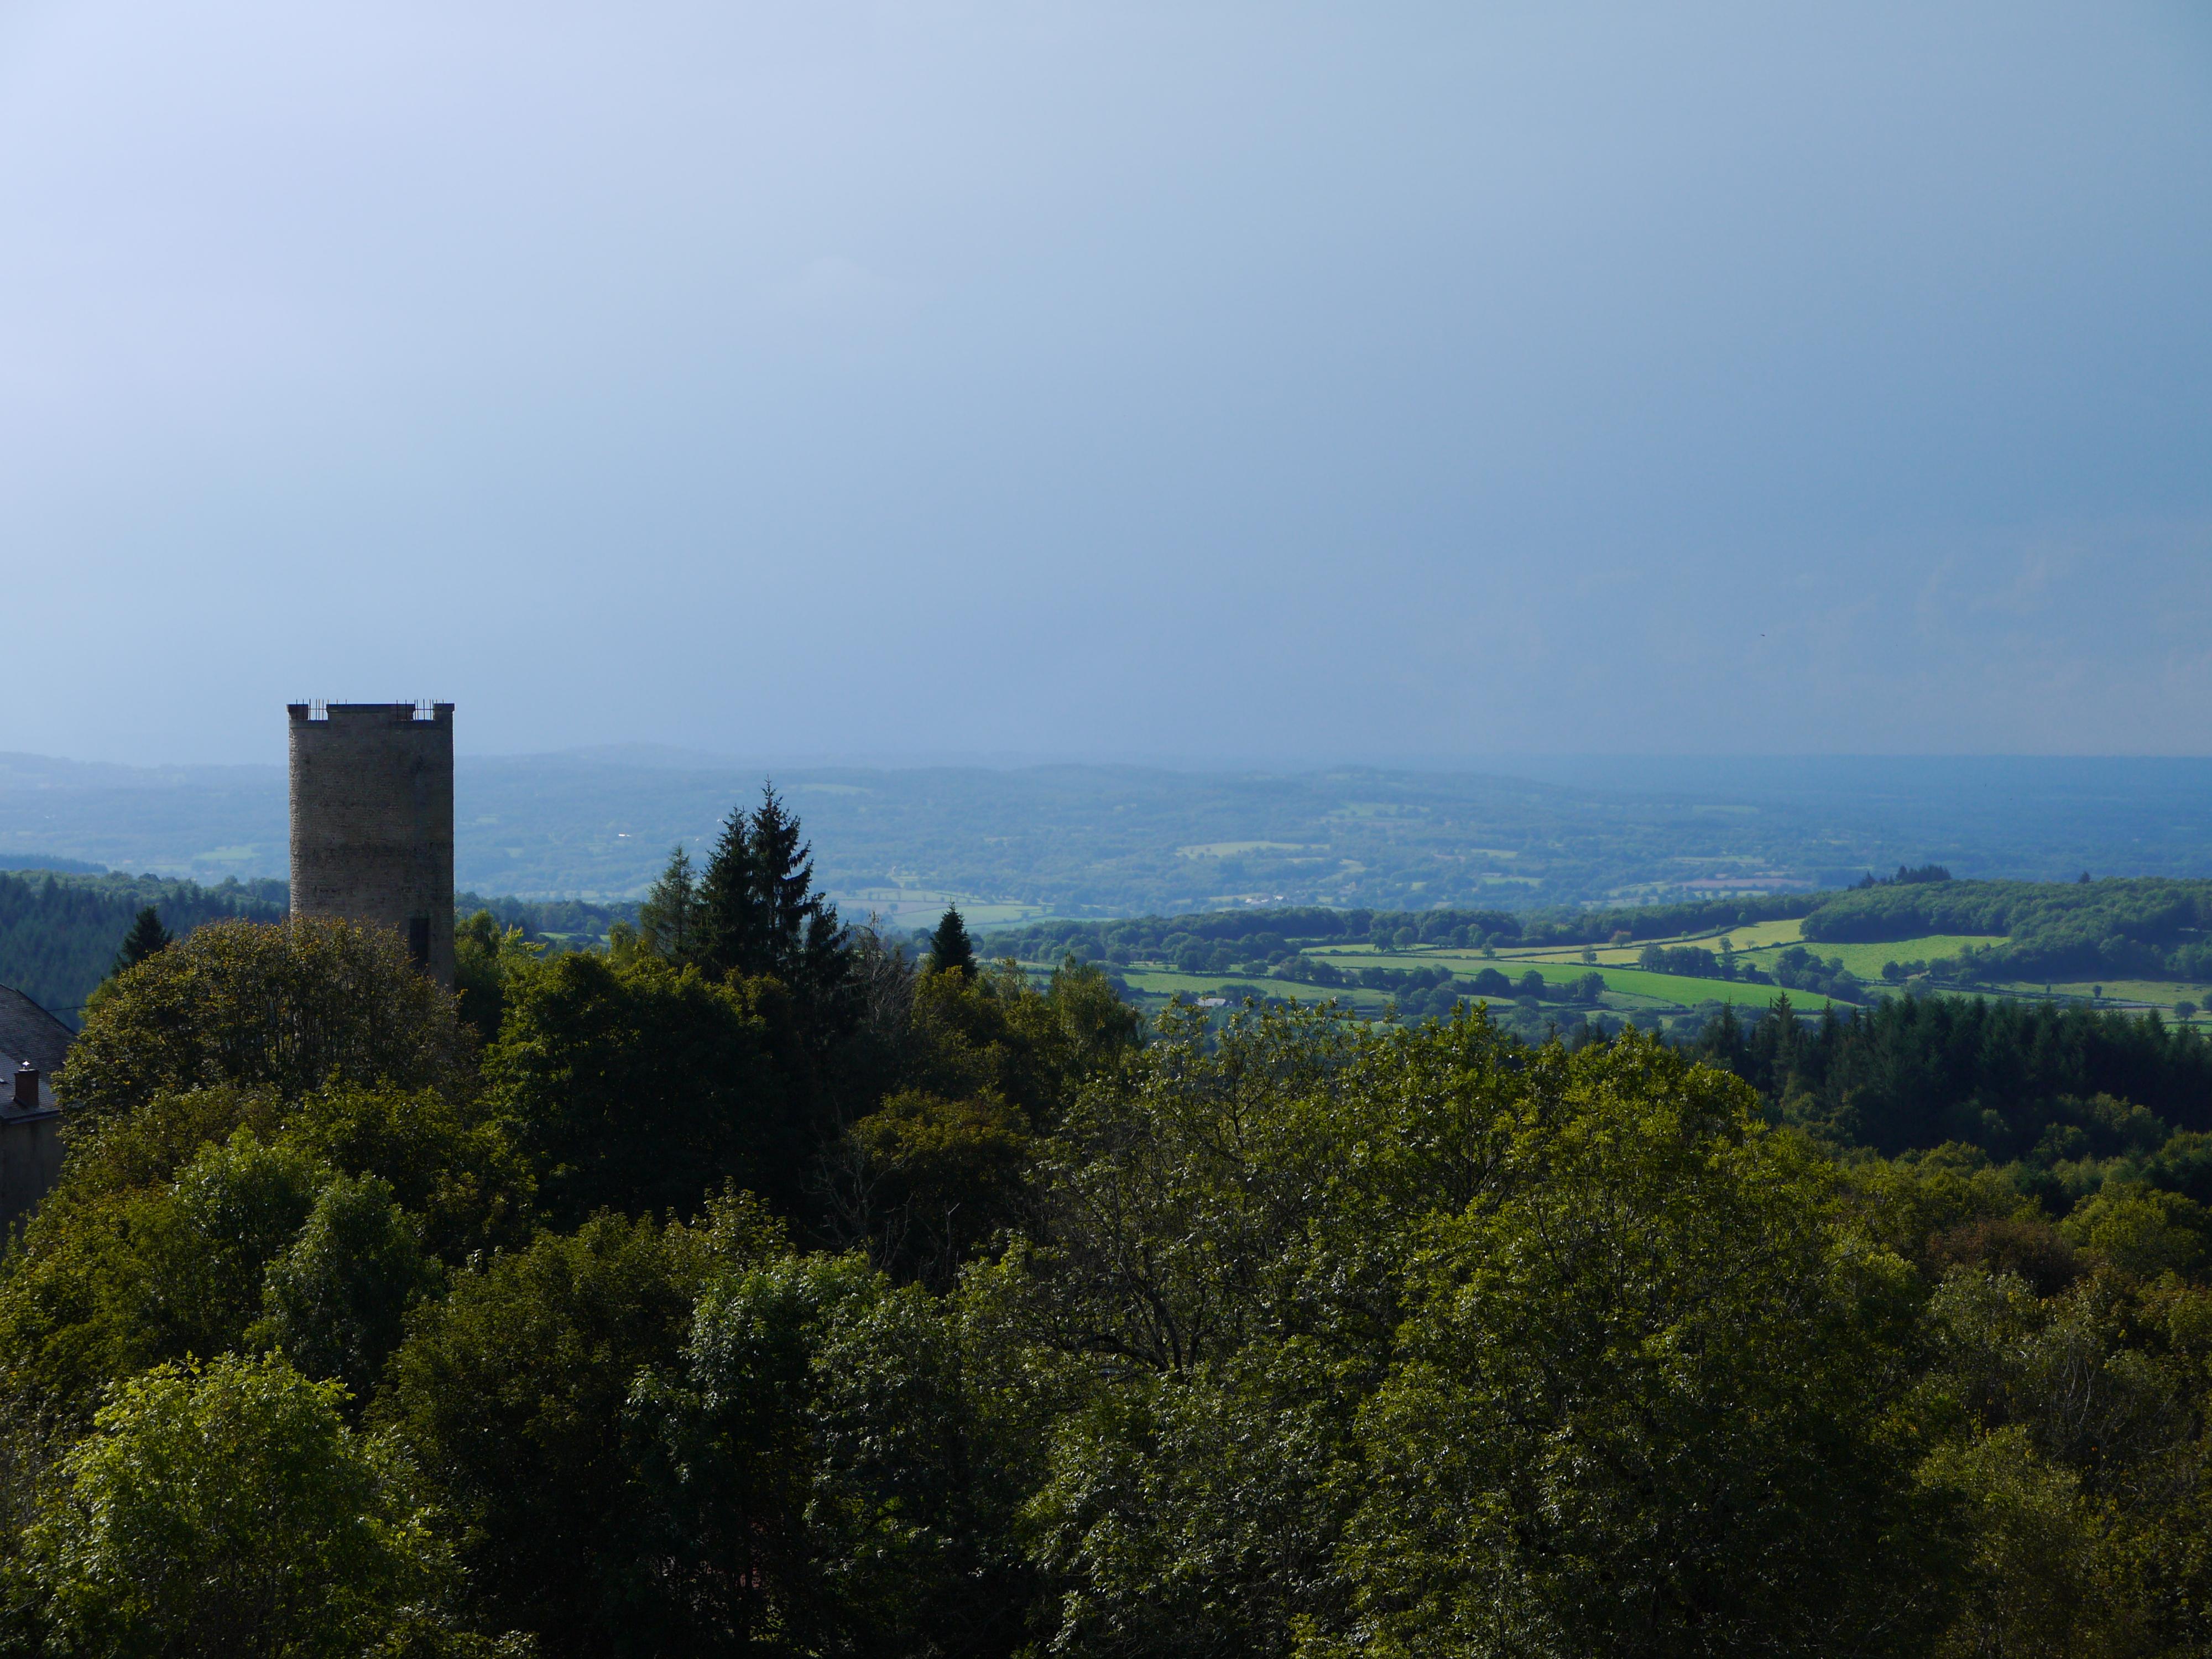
[227,1509]
[287,1005]
[745,1287]
[146,936]
[758,911]
[951,949]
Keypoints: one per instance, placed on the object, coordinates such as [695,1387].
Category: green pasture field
[1667,990]
[1631,989]
[1759,935]
[1619,975]
[1674,989]
[2159,993]
[904,907]
[1762,935]
[984,915]
[1165,982]
[1637,988]
[1866,960]
[1758,945]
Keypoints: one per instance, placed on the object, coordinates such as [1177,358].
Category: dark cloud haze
[1182,381]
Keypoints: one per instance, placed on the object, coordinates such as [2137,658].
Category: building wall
[372,821]
[30,1153]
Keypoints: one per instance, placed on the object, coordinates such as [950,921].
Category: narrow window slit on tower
[418,940]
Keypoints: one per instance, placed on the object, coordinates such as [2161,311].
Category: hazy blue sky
[1176,380]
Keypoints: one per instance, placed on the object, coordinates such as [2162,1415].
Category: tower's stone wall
[373,820]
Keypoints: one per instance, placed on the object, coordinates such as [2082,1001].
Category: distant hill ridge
[1098,840]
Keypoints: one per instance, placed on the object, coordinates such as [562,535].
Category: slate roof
[29,1032]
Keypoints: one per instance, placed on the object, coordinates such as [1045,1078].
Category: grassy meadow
[1630,990]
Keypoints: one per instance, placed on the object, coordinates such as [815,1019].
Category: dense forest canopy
[751,1283]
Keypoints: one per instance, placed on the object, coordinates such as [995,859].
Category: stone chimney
[27,1087]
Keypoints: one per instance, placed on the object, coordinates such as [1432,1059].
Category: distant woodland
[2154,929]
[60,934]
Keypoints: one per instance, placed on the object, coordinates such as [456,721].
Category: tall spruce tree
[669,918]
[950,947]
[758,910]
[147,938]
[783,871]
[730,934]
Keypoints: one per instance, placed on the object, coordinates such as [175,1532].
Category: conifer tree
[730,932]
[147,938]
[759,912]
[783,871]
[950,947]
[669,918]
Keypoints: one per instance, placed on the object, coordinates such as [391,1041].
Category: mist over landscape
[1015,842]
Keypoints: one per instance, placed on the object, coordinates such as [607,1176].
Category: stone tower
[372,821]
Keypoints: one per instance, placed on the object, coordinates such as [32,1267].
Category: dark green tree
[1641,1402]
[511,1397]
[227,1509]
[645,1087]
[760,913]
[669,918]
[950,947]
[147,938]
[484,955]
[124,1280]
[336,1298]
[817,1477]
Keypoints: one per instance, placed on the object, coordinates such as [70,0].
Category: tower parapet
[373,820]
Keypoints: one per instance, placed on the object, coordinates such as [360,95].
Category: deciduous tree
[227,1509]
[287,1005]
